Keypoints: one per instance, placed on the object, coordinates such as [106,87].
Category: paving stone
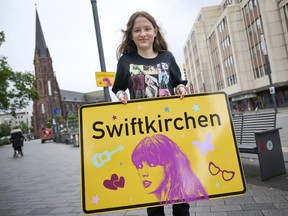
[269,199]
[69,214]
[245,213]
[200,209]
[239,200]
[62,210]
[283,205]
[215,202]
[258,206]
[212,214]
[226,208]
[275,212]
[40,211]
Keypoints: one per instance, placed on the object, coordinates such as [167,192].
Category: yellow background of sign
[97,198]
[104,79]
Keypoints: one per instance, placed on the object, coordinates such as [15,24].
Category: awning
[242,97]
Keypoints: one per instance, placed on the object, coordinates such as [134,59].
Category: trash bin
[270,153]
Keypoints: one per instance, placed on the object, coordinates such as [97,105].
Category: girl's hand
[122,96]
[181,91]
[123,99]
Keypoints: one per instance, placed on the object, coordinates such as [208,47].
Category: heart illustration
[114,182]
[120,183]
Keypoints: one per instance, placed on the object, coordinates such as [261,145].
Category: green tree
[58,118]
[17,89]
[5,129]
[24,127]
[72,122]
[49,123]
[71,116]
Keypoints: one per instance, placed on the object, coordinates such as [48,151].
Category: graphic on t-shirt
[151,70]
[163,71]
[151,89]
[150,80]
[138,81]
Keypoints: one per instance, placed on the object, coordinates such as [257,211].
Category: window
[258,24]
[250,5]
[285,9]
[222,25]
[254,2]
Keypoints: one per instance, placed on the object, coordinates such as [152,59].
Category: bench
[256,133]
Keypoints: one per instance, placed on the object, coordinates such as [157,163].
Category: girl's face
[151,176]
[143,33]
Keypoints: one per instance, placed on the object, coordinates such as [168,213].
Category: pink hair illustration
[107,81]
[179,184]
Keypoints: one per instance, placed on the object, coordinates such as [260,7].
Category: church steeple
[40,40]
[45,83]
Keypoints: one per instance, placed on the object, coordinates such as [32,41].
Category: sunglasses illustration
[215,170]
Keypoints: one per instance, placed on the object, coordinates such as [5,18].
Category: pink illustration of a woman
[165,171]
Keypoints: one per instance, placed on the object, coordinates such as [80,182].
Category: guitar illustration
[99,159]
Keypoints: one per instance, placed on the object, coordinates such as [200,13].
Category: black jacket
[17,138]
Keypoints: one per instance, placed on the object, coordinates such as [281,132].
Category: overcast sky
[69,32]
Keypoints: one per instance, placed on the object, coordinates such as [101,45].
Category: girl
[144,45]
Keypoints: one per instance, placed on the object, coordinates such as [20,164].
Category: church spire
[40,40]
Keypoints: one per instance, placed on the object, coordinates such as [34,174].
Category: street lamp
[268,69]
[50,105]
[100,47]
[43,114]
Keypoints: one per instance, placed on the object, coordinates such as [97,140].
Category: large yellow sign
[158,151]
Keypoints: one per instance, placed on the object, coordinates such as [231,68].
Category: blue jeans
[181,209]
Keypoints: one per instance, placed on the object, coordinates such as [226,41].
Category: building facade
[52,100]
[23,117]
[240,47]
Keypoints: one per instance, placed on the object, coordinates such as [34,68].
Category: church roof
[72,96]
[90,97]
[40,40]
[95,96]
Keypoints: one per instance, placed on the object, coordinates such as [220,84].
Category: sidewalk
[46,181]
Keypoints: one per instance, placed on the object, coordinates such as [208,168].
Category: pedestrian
[144,45]
[257,109]
[17,140]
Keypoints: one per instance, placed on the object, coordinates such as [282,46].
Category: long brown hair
[128,45]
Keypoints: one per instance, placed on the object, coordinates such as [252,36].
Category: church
[54,101]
